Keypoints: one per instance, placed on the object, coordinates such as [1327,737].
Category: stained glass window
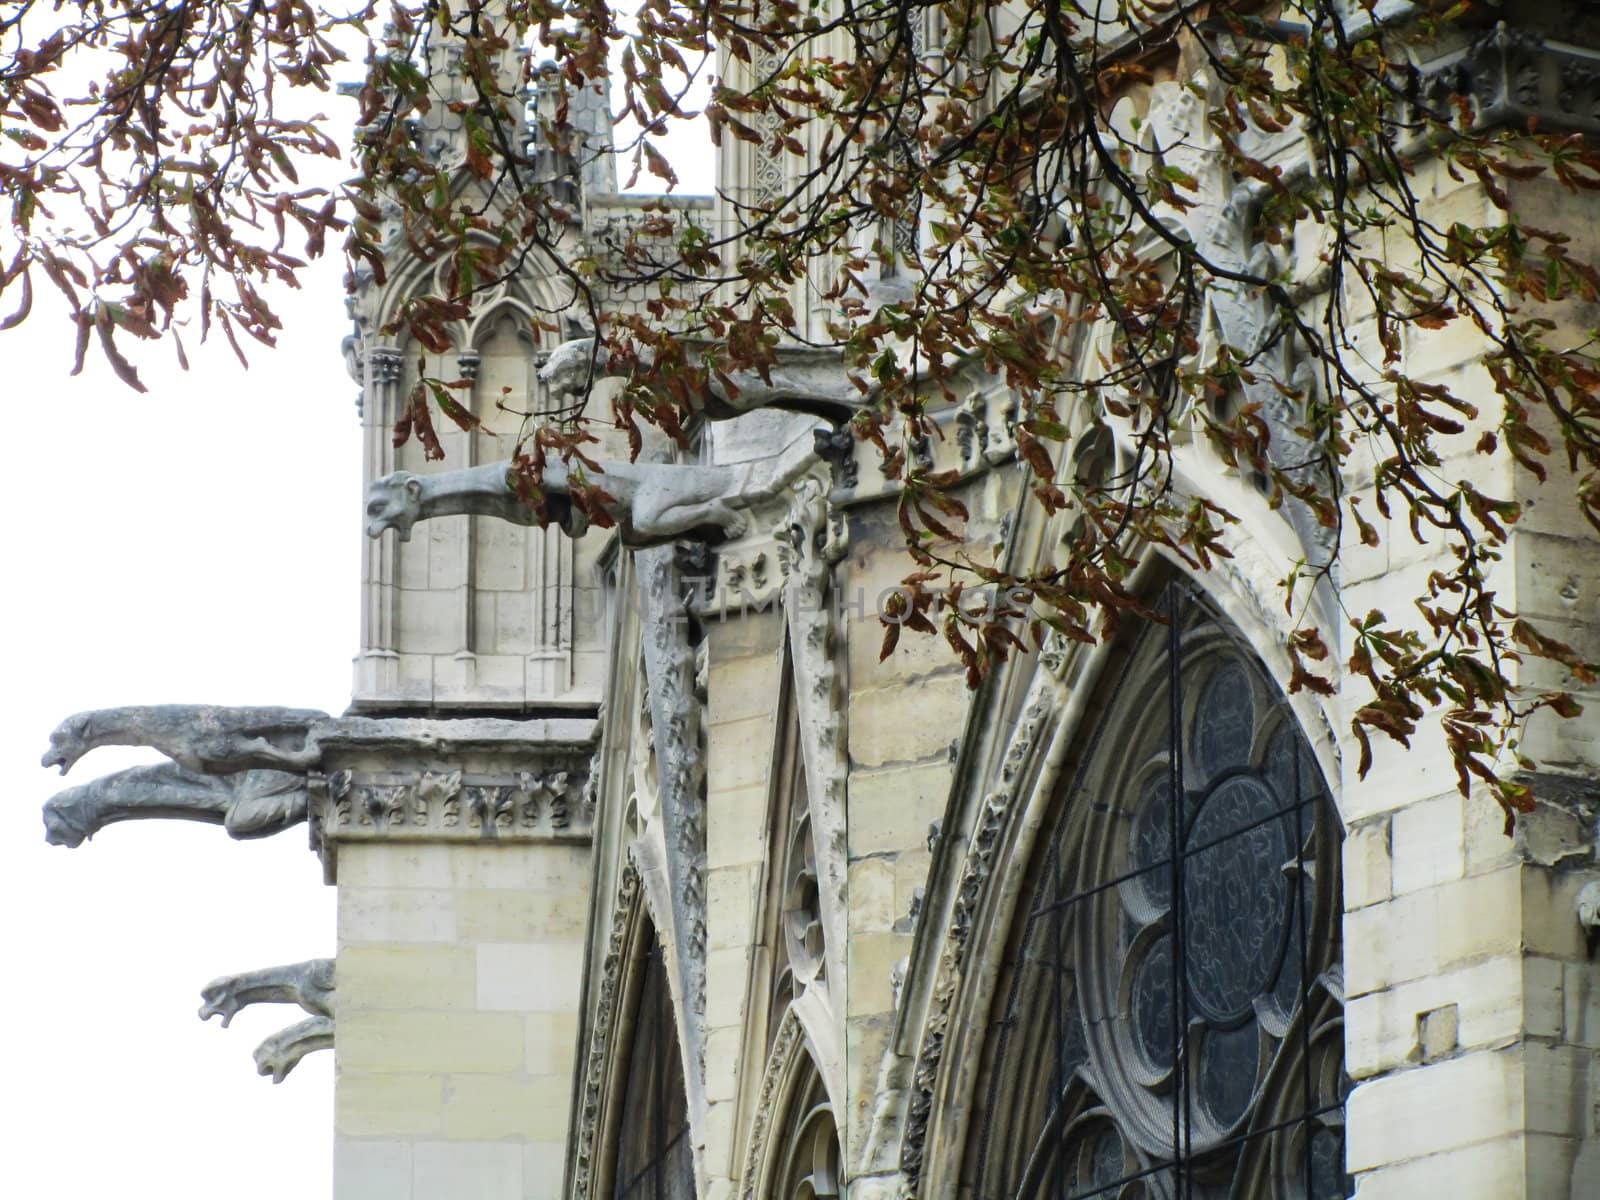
[1170,1021]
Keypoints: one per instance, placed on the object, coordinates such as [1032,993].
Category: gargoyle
[248,804]
[308,984]
[281,1052]
[201,737]
[651,503]
[803,379]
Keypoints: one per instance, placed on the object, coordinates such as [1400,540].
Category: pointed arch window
[655,1159]
[1170,1024]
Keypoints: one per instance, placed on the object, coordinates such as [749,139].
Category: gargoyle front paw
[735,525]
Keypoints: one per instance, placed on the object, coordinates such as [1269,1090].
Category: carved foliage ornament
[545,802]
[676,719]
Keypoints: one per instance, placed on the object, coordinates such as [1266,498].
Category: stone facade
[567,760]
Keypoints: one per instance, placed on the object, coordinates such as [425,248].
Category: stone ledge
[477,779]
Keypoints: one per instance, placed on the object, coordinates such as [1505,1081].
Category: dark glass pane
[655,1160]
[1236,899]
[1224,722]
[1229,1063]
[1257,866]
[1151,843]
[1105,1162]
[1152,1006]
[1282,753]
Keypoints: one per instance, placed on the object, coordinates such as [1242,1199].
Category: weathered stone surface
[650,504]
[309,984]
[248,804]
[805,380]
[199,737]
[281,1052]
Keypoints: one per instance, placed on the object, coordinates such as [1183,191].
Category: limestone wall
[459,977]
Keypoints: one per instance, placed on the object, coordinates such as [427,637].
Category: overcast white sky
[196,544]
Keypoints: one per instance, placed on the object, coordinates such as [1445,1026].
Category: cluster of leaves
[962,192]
[148,162]
[946,190]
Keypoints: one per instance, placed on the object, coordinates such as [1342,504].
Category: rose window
[1170,1023]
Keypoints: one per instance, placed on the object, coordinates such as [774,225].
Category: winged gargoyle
[801,379]
[201,737]
[249,804]
[651,503]
[309,984]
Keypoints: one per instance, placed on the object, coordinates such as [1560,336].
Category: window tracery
[1171,1023]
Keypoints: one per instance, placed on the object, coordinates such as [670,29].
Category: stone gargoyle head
[394,502]
[69,741]
[567,369]
[69,818]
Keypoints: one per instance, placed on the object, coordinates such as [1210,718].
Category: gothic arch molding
[636,1011]
[794,1151]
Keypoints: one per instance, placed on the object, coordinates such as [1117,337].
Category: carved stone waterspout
[651,503]
[201,737]
[803,379]
[281,1052]
[308,984]
[248,804]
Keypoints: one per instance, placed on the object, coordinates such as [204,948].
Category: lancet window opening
[1169,1025]
[655,1160]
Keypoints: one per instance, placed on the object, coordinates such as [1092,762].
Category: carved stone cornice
[1515,75]
[469,779]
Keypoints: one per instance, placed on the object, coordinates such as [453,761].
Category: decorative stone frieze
[385,365]
[422,779]
[1516,75]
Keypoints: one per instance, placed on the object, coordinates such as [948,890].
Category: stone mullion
[384,368]
[467,363]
